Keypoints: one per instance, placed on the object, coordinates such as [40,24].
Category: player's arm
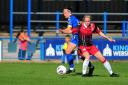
[66,30]
[69,27]
[97,30]
[103,35]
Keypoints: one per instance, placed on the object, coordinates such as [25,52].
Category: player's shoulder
[93,25]
[73,17]
[82,24]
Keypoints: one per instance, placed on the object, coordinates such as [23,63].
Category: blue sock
[70,60]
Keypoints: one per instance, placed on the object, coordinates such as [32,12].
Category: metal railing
[54,13]
[58,21]
[60,13]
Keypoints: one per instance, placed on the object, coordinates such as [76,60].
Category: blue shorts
[74,39]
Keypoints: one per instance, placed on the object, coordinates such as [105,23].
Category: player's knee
[87,59]
[103,60]
[79,52]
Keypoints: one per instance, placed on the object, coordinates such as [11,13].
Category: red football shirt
[85,34]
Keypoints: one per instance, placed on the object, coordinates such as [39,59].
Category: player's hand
[111,40]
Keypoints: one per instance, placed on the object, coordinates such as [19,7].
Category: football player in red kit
[87,47]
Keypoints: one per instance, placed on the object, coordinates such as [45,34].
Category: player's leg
[70,60]
[91,69]
[104,61]
[85,63]
[86,55]
[106,64]
[94,51]
[71,46]
[90,65]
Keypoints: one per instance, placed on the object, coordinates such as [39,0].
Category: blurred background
[44,21]
[44,18]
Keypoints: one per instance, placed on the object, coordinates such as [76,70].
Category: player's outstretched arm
[109,38]
[67,30]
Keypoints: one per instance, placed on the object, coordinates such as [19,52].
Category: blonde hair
[86,16]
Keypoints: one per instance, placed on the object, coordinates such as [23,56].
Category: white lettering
[120,53]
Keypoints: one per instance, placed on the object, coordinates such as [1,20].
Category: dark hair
[68,9]
[68,36]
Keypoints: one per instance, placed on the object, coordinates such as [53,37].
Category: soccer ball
[61,70]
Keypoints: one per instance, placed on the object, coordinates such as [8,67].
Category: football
[61,70]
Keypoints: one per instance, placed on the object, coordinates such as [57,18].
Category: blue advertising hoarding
[111,50]
[54,48]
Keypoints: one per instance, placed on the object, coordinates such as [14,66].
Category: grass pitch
[45,74]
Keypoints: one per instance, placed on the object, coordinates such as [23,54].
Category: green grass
[45,74]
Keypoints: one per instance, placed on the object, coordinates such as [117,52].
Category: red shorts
[90,49]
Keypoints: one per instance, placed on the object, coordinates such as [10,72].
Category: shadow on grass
[79,74]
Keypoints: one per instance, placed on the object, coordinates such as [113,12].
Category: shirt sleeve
[96,28]
[70,22]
